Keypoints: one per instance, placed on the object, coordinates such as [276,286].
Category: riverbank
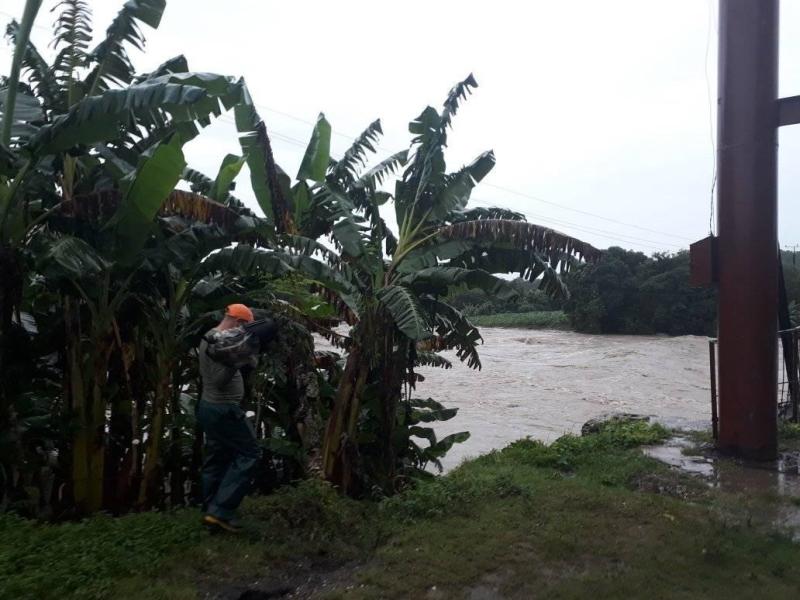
[589,515]
[543,319]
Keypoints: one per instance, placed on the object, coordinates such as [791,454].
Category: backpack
[239,346]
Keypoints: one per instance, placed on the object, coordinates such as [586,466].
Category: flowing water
[544,383]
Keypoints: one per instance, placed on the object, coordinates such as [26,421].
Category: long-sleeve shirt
[221,383]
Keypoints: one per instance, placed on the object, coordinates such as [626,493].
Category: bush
[486,475]
[568,451]
[311,510]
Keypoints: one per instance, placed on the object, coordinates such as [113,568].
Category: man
[231,450]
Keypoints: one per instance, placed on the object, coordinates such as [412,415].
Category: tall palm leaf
[73,33]
[112,64]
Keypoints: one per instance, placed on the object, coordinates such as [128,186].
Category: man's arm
[215,373]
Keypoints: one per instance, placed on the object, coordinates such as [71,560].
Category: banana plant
[90,155]
[399,284]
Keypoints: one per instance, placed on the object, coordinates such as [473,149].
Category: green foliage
[95,238]
[318,153]
[789,431]
[312,510]
[509,514]
[406,311]
[467,484]
[527,297]
[228,170]
[81,560]
[105,285]
[552,319]
[144,192]
[628,292]
[112,64]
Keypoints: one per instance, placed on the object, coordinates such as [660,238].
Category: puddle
[671,452]
[777,478]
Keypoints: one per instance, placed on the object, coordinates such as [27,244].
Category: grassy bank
[583,516]
[544,319]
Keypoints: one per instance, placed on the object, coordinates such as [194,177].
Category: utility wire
[710,121]
[499,187]
[613,235]
[584,212]
[300,143]
[17,19]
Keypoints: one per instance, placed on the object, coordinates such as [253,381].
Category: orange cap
[239,311]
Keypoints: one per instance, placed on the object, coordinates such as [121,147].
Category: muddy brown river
[543,384]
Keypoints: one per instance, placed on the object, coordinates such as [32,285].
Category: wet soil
[302,581]
[772,488]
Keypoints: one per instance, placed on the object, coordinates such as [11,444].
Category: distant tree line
[628,292]
[475,302]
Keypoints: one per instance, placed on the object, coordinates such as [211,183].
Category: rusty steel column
[747,227]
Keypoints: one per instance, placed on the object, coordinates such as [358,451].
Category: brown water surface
[544,383]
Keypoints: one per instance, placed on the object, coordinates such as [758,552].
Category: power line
[584,212]
[612,235]
[291,140]
[14,17]
[710,123]
[306,121]
[508,190]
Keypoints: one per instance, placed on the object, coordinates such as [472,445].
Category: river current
[544,383]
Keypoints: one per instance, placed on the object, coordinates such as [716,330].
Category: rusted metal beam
[712,370]
[703,262]
[789,111]
[747,227]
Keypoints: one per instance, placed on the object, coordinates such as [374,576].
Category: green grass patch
[581,516]
[84,559]
[548,319]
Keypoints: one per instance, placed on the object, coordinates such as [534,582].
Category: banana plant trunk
[151,473]
[11,276]
[89,409]
[77,403]
[392,368]
[176,475]
[339,448]
[377,358]
[117,493]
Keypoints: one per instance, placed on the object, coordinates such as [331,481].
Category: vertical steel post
[795,357]
[747,227]
[712,369]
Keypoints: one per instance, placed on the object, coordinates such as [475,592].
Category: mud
[759,482]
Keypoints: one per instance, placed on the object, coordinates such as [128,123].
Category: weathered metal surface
[747,227]
[703,262]
[789,111]
[712,369]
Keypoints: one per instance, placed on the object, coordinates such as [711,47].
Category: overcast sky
[598,111]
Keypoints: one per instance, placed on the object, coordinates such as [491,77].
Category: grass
[788,436]
[582,516]
[546,319]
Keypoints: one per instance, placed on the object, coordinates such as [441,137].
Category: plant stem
[28,17]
